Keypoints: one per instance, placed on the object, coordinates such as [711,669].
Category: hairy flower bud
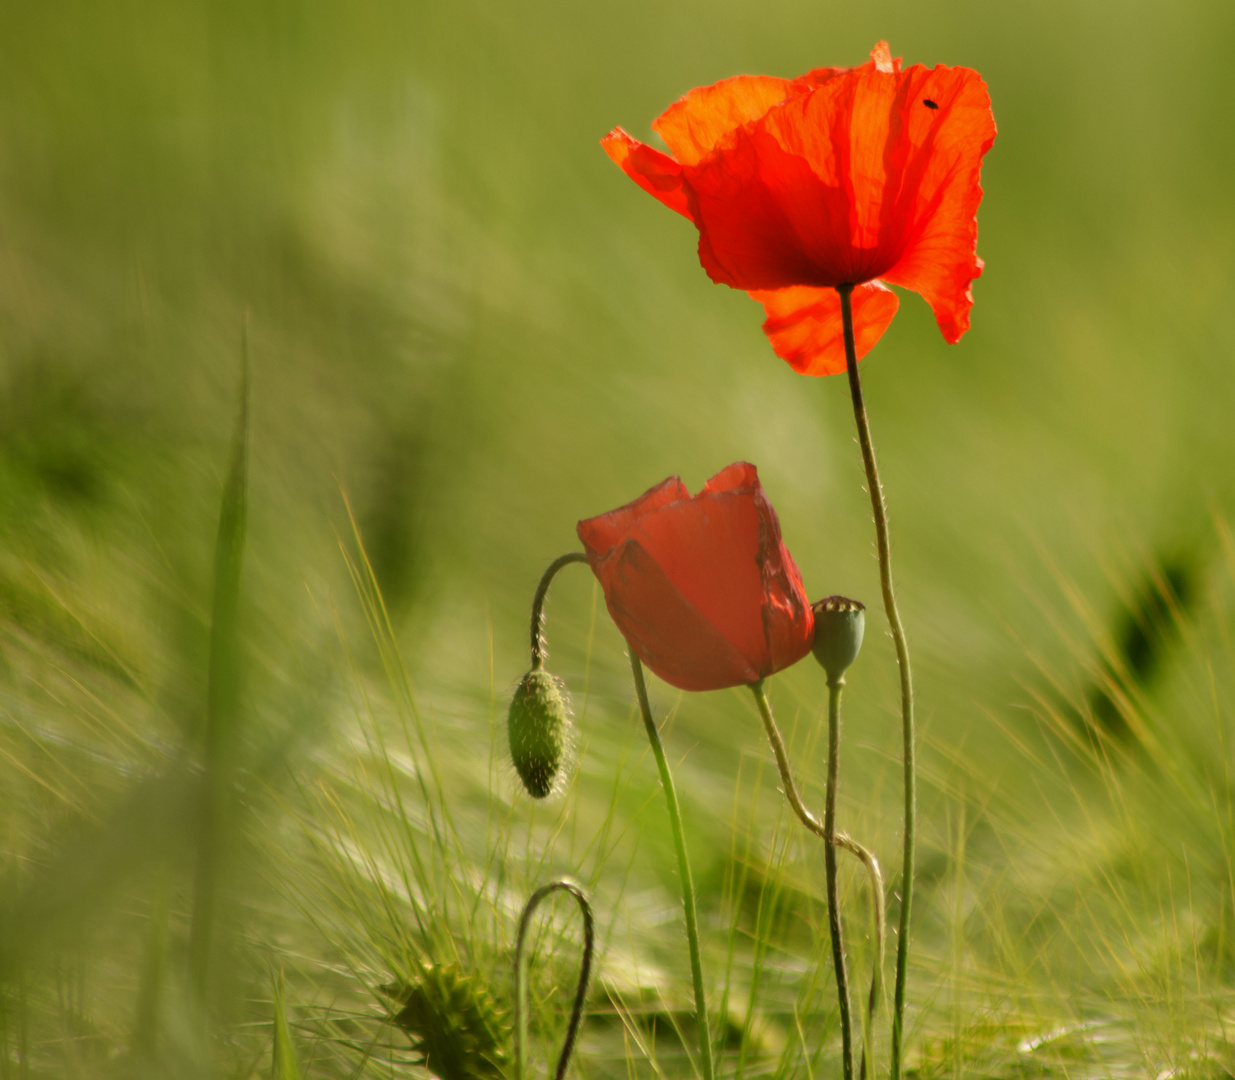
[839,625]
[539,726]
[454,1022]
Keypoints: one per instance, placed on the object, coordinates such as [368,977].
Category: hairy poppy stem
[902,658]
[826,831]
[688,883]
[538,604]
[585,968]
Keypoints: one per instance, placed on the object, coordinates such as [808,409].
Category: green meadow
[323,323]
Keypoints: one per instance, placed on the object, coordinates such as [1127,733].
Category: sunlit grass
[1076,902]
[1064,937]
[463,317]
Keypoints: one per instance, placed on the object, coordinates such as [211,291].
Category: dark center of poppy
[929,104]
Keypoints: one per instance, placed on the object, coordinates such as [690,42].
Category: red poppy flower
[844,176]
[702,588]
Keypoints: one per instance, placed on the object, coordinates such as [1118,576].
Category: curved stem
[902,658]
[585,968]
[841,839]
[822,829]
[688,884]
[872,998]
[538,604]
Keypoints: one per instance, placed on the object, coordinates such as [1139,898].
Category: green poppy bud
[839,625]
[539,727]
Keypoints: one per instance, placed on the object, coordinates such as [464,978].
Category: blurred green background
[465,322]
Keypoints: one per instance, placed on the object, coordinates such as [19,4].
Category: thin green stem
[688,883]
[879,507]
[881,934]
[824,830]
[538,604]
[834,920]
[585,968]
[839,839]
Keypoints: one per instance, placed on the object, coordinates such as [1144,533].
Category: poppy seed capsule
[839,625]
[538,726]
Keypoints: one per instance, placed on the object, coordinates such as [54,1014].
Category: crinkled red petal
[606,531]
[937,172]
[804,324]
[669,634]
[840,176]
[658,174]
[766,220]
[693,125]
[707,546]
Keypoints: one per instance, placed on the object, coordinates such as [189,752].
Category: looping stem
[826,831]
[585,968]
[880,510]
[538,604]
[684,874]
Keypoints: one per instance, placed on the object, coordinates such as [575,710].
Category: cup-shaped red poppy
[702,587]
[844,176]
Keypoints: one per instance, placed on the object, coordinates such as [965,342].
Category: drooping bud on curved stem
[539,651]
[585,968]
[538,724]
[839,626]
[538,727]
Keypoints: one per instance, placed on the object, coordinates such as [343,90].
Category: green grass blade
[223,691]
[283,1064]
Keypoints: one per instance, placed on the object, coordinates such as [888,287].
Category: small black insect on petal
[929,104]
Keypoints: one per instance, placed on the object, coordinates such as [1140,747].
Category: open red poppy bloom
[702,588]
[844,176]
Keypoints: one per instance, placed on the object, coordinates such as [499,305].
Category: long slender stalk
[824,829]
[684,874]
[879,507]
[835,926]
[585,968]
[829,823]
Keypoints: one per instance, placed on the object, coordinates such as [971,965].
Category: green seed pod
[839,625]
[539,727]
